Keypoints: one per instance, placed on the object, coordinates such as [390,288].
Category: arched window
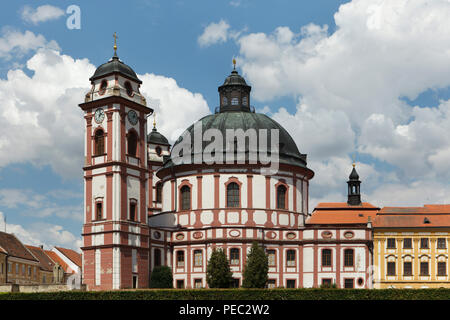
[271,257]
[233,195]
[99,142]
[326,258]
[103,86]
[157,257]
[180,259]
[281,197]
[290,258]
[185,198]
[159,192]
[198,258]
[234,256]
[132,143]
[129,88]
[348,258]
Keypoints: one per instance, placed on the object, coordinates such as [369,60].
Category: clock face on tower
[132,117]
[99,115]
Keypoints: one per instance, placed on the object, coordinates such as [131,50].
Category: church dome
[115,65]
[288,151]
[235,113]
[157,138]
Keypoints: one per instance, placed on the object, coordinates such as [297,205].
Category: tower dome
[115,65]
[157,138]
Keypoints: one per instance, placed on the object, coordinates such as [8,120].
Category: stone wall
[36,288]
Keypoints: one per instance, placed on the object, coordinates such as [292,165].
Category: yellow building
[411,247]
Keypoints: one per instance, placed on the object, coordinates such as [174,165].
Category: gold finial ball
[234,62]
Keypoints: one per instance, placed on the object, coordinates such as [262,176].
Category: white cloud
[41,13]
[39,205]
[351,83]
[40,120]
[48,235]
[218,33]
[178,107]
[214,33]
[15,44]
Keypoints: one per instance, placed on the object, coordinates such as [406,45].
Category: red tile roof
[342,213]
[74,256]
[428,216]
[345,205]
[14,247]
[54,256]
[44,260]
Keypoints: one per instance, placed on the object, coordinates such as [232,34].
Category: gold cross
[115,42]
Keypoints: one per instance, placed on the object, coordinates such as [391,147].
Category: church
[146,208]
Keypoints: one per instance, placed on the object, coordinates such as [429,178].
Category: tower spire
[154,120]
[115,44]
[234,64]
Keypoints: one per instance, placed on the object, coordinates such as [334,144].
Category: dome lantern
[234,94]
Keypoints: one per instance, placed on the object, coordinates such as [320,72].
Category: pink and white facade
[142,210]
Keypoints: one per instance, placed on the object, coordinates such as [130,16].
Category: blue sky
[369,78]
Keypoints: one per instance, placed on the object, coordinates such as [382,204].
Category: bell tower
[115,229]
[354,195]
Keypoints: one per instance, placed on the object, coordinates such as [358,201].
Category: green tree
[218,274]
[256,268]
[161,277]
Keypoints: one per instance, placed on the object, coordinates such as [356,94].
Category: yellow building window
[407,243]
[424,243]
[441,243]
[442,269]
[424,268]
[391,268]
[407,268]
[391,243]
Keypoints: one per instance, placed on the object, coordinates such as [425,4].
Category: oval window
[158,151]
[198,235]
[360,281]
[235,233]
[327,234]
[179,236]
[290,235]
[348,234]
[156,234]
[271,235]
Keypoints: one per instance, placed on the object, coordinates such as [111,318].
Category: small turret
[354,195]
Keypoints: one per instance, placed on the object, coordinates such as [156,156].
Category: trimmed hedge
[238,294]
